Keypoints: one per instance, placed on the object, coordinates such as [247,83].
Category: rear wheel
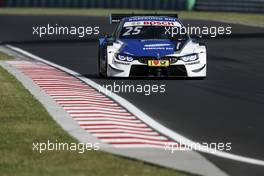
[102,66]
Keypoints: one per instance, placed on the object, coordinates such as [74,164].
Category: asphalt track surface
[225,107]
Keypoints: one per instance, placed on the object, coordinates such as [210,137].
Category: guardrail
[256,6]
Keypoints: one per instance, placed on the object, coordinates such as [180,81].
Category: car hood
[149,48]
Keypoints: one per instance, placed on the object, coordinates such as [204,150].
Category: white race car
[148,46]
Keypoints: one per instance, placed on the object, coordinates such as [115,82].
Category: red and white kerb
[95,112]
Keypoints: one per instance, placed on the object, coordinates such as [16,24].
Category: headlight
[190,58]
[124,58]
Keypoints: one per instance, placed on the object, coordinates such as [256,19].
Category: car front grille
[170,71]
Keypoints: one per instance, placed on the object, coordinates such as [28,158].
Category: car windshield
[149,32]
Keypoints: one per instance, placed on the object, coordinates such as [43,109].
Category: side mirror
[108,36]
[196,39]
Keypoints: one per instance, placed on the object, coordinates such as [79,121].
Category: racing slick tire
[102,72]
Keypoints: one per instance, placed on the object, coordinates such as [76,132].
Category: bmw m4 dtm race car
[143,45]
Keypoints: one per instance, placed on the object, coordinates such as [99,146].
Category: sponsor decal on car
[158,63]
[151,18]
[152,23]
[158,48]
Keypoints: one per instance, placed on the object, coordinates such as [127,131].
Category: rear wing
[117,17]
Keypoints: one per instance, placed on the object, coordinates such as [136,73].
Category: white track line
[141,115]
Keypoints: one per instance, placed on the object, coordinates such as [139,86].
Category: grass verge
[243,18]
[4,56]
[24,121]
